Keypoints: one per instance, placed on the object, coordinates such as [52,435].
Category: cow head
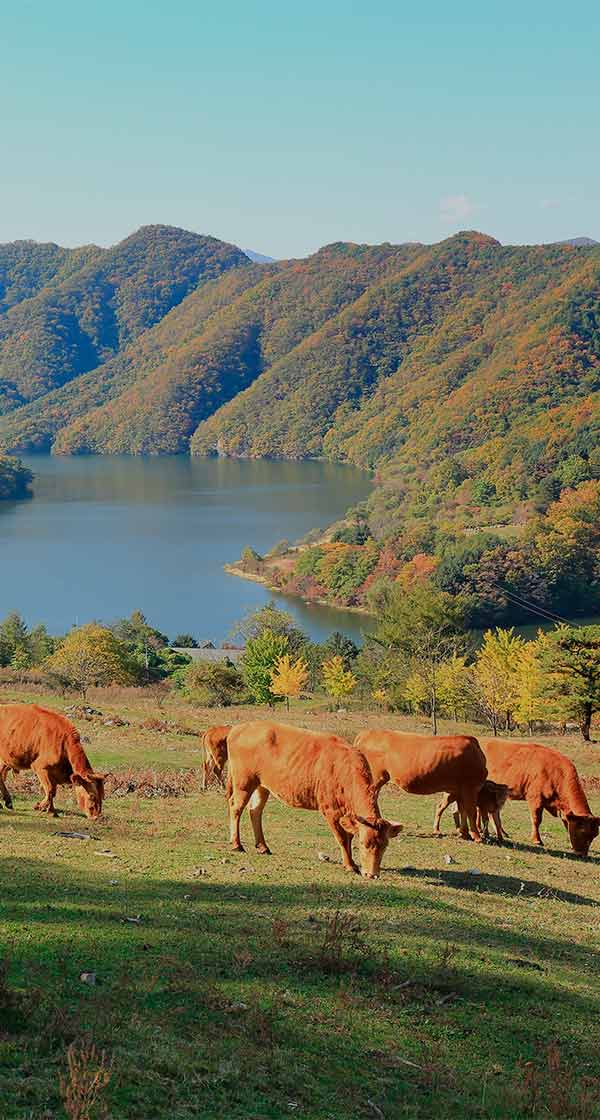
[374,835]
[582,829]
[89,789]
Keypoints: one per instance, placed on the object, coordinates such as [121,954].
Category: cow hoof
[238,848]
[353,869]
[263,850]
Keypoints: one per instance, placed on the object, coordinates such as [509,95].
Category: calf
[426,764]
[215,745]
[306,770]
[33,738]
[490,800]
[545,779]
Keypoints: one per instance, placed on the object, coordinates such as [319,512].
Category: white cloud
[457,207]
[549,203]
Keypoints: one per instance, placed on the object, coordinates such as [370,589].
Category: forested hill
[466,373]
[65,312]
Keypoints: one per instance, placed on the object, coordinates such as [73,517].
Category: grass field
[464,983]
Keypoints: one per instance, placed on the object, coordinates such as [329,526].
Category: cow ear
[393,829]
[97,777]
[370,824]
[348,822]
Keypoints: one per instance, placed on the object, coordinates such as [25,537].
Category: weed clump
[83,1085]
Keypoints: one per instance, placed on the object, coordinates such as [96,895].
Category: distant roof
[233,655]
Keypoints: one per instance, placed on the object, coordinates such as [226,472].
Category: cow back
[305,769]
[425,764]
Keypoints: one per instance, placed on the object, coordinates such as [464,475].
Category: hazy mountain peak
[258,258]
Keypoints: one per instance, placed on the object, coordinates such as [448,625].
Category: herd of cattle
[320,771]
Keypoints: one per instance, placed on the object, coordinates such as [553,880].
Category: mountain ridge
[435,365]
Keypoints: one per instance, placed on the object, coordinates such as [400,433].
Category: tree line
[420,658]
[550,565]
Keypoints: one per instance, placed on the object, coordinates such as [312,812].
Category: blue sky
[283,126]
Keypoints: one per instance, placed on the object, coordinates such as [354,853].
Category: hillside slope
[67,312]
[466,373]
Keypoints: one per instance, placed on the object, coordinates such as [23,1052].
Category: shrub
[211,684]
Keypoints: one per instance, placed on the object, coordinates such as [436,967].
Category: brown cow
[545,779]
[307,770]
[33,738]
[428,764]
[215,744]
[490,800]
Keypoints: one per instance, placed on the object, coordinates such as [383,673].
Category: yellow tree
[288,678]
[92,655]
[496,676]
[531,704]
[455,686]
[416,692]
[380,697]
[339,682]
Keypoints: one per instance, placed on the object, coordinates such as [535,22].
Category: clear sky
[282,126]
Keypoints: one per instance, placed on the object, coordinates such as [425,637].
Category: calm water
[106,535]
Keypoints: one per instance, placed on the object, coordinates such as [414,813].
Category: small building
[205,653]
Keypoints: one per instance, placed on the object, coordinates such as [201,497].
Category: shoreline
[234,570]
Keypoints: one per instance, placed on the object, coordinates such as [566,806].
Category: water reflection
[106,534]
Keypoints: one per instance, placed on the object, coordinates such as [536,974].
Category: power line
[519,601]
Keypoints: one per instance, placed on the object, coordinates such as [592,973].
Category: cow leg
[469,814]
[344,840]
[7,799]
[46,805]
[447,800]
[483,823]
[257,803]
[237,803]
[500,833]
[536,811]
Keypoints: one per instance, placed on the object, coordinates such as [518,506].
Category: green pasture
[464,983]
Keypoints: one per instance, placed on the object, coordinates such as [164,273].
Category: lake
[105,535]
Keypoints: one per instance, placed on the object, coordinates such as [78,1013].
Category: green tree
[41,644]
[211,684]
[484,491]
[14,637]
[340,644]
[144,643]
[260,657]
[278,622]
[184,641]
[21,661]
[15,479]
[569,658]
[421,628]
[92,655]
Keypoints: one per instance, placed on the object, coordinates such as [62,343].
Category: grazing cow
[307,770]
[33,738]
[490,800]
[428,764]
[545,779]
[215,745]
